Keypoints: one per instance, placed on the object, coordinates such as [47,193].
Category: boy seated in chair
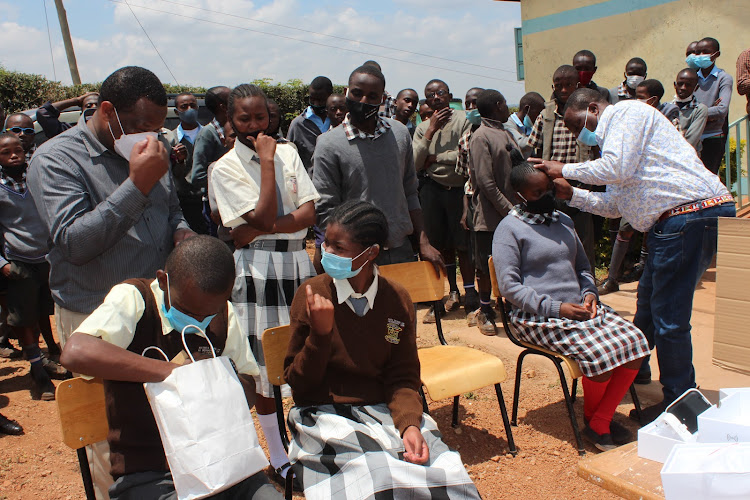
[358,430]
[193,289]
[543,271]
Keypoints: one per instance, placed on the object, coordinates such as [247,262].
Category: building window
[519,54]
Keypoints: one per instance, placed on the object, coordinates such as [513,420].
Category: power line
[335,36]
[414,63]
[152,42]
[49,37]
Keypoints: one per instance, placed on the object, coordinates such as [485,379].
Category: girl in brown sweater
[358,427]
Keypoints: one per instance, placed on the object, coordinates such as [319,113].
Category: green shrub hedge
[22,91]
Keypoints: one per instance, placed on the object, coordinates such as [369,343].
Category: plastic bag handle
[203,334]
[166,358]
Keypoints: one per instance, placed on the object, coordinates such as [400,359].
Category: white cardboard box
[656,440]
[731,390]
[701,471]
[728,422]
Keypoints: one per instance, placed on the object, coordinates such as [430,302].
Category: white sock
[270,426]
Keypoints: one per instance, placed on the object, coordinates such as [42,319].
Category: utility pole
[72,64]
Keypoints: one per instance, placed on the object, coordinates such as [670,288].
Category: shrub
[732,162]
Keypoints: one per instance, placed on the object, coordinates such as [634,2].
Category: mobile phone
[687,408]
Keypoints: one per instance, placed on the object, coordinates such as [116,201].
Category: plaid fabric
[743,73]
[17,186]
[353,132]
[219,128]
[389,107]
[598,345]
[346,452]
[30,153]
[622,91]
[564,144]
[530,218]
[463,164]
[264,286]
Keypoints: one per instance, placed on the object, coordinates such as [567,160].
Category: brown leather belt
[697,205]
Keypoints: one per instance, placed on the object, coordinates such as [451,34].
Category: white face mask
[125,144]
[633,80]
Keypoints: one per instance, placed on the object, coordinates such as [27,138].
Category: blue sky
[209,49]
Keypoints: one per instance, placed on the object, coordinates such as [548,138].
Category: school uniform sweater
[444,145]
[540,266]
[303,133]
[490,175]
[22,230]
[379,171]
[365,360]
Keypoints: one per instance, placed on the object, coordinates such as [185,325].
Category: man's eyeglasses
[441,93]
[21,130]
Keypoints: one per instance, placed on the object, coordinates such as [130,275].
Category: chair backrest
[83,415]
[420,279]
[275,343]
[501,302]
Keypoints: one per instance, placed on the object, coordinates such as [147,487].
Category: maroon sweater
[365,360]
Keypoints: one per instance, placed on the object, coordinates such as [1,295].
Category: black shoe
[635,274]
[620,434]
[43,388]
[642,378]
[649,414]
[609,286]
[275,476]
[602,442]
[453,302]
[8,426]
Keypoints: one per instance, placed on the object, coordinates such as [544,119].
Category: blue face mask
[189,116]
[474,117]
[703,61]
[586,136]
[527,122]
[179,320]
[690,60]
[338,267]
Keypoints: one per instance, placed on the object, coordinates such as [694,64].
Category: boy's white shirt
[116,319]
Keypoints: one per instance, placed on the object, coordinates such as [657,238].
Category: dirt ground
[37,465]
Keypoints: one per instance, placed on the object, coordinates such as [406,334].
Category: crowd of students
[99,226]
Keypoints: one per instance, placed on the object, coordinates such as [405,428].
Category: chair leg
[571,409]
[425,408]
[506,422]
[88,482]
[438,305]
[288,488]
[454,422]
[280,417]
[636,402]
[517,387]
[574,390]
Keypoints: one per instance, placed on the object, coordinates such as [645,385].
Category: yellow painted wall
[657,34]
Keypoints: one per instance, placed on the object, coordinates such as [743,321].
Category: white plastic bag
[205,426]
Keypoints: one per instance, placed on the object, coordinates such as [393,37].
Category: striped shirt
[103,230]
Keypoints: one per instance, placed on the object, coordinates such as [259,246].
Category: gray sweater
[23,232]
[539,267]
[207,149]
[379,171]
[303,133]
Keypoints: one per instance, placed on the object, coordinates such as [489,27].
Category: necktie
[359,304]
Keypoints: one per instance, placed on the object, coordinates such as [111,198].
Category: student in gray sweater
[23,264]
[542,270]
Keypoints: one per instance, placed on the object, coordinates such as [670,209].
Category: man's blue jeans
[680,249]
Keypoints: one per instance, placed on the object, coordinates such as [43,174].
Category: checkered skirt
[264,286]
[347,452]
[598,345]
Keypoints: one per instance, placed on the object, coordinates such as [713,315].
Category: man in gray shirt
[104,194]
[370,158]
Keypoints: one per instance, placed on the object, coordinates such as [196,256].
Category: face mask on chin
[15,170]
[125,144]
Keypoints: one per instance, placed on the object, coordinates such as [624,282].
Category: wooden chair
[448,371]
[83,417]
[275,343]
[556,358]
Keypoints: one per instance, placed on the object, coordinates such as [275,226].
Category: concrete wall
[656,30]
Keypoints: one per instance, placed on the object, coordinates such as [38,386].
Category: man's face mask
[585,77]
[125,144]
[361,111]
